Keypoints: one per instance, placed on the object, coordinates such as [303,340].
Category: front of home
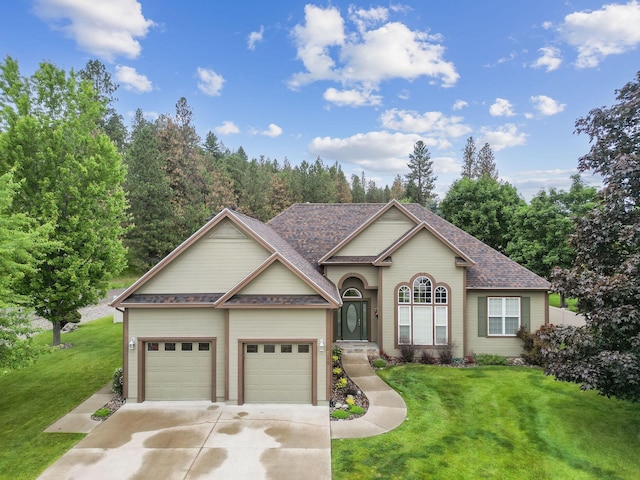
[247,312]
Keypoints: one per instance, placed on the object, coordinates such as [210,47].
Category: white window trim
[503,316]
[406,311]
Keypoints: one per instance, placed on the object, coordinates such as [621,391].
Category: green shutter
[525,319]
[482,316]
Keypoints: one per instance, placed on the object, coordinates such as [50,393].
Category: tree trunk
[57,326]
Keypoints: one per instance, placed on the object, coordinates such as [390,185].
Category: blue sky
[357,83]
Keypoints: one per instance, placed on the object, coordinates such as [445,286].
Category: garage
[179,369]
[278,373]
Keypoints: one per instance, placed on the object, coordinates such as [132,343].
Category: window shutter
[525,320]
[482,316]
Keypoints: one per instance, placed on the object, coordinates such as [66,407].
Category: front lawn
[496,422]
[34,397]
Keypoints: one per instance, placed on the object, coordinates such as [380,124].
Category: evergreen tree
[421,179]
[486,163]
[469,159]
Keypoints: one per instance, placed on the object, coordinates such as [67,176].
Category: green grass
[36,396]
[496,422]
[554,301]
[125,280]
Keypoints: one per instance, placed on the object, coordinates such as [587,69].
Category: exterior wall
[211,265]
[175,322]
[277,279]
[279,324]
[424,253]
[353,278]
[369,273]
[506,346]
[379,235]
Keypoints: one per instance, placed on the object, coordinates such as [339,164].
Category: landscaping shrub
[379,362]
[337,371]
[445,353]
[336,352]
[428,358]
[341,382]
[407,354]
[118,381]
[356,410]
[340,414]
[533,343]
[102,412]
[490,359]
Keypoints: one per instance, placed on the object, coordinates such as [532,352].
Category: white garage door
[277,373]
[178,370]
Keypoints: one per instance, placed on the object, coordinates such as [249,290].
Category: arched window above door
[352,293]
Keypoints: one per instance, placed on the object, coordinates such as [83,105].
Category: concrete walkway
[386,411]
[79,419]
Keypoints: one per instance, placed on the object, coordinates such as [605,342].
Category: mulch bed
[339,395]
[112,405]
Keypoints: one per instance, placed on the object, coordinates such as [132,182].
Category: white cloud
[501,108]
[368,54]
[273,131]
[429,123]
[255,37]
[227,128]
[550,59]
[210,82]
[600,33]
[106,29]
[460,104]
[503,137]
[352,97]
[132,80]
[379,152]
[546,106]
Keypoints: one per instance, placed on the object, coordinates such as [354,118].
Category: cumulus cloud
[255,37]
[371,53]
[351,97]
[106,29]
[501,108]
[380,152]
[597,34]
[428,123]
[227,128]
[460,104]
[273,131]
[550,59]
[132,80]
[503,137]
[546,106]
[210,82]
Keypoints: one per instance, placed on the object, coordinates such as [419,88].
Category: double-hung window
[423,313]
[504,315]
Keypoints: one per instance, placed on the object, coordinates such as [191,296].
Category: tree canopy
[421,180]
[605,276]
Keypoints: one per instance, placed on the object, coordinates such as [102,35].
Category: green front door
[353,323]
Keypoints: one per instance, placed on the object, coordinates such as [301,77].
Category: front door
[353,324]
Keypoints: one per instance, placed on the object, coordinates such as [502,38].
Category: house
[244,311]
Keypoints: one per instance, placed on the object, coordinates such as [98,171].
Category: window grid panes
[423,313]
[504,315]
[422,290]
[441,295]
[404,295]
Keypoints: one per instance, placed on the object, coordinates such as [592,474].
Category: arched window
[422,290]
[423,313]
[352,293]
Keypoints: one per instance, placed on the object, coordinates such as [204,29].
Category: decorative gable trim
[392,204]
[225,300]
[462,260]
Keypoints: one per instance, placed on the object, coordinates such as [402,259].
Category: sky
[356,83]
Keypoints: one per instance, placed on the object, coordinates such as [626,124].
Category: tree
[482,207]
[397,188]
[358,193]
[486,163]
[540,231]
[469,158]
[70,175]
[604,355]
[421,180]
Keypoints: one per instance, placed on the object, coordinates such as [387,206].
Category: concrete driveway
[198,440]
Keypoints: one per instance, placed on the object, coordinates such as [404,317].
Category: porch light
[321,344]
[132,343]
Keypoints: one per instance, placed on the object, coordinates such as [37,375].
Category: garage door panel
[177,374]
[283,376]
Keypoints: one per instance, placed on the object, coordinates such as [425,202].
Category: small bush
[428,358]
[350,401]
[533,343]
[445,354]
[341,382]
[336,351]
[118,381]
[340,414]
[102,412]
[407,353]
[337,371]
[356,410]
[490,359]
[385,355]
[379,362]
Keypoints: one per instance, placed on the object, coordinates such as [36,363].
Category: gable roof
[315,229]
[264,235]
